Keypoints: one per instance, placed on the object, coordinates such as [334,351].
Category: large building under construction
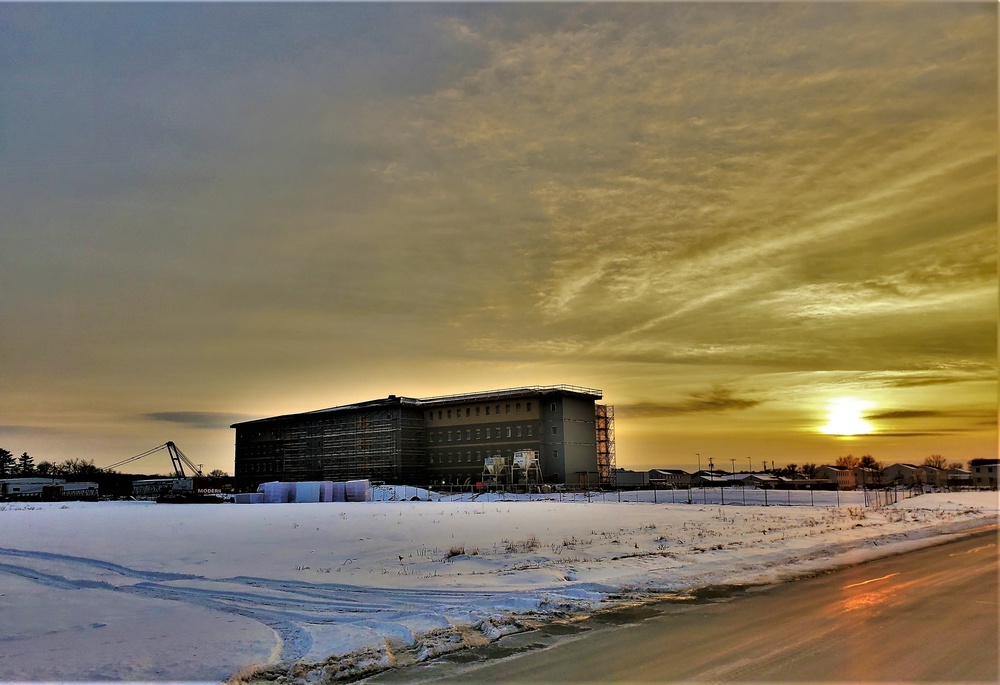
[434,440]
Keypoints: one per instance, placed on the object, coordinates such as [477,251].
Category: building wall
[572,429]
[422,442]
[984,473]
[382,441]
[460,435]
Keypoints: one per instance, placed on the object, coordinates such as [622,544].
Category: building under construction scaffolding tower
[606,459]
[435,440]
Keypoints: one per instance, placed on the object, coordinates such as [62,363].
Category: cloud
[712,401]
[907,414]
[198,419]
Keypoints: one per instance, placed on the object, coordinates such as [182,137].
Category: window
[506,409]
[430,416]
[518,431]
[554,430]
[479,434]
[468,412]
[529,430]
[449,413]
[553,406]
[529,406]
[508,431]
[449,457]
[468,434]
[477,411]
[439,413]
[498,410]
[487,433]
[517,408]
[449,434]
[468,457]
[479,456]
[430,438]
[487,410]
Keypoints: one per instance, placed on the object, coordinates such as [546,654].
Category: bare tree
[867,461]
[847,462]
[935,460]
[809,470]
[789,471]
[956,465]
[217,473]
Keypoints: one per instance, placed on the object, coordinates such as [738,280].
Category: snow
[143,592]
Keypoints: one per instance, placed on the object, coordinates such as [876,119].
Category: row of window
[479,410]
[469,457]
[497,433]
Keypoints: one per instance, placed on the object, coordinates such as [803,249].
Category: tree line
[25,467]
[866,461]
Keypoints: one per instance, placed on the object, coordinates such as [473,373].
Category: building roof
[417,402]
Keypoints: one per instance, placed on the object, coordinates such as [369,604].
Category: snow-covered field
[144,592]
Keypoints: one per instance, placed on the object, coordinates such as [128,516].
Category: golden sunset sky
[728,217]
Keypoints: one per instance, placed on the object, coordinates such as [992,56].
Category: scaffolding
[604,415]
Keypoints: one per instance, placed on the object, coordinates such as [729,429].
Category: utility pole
[711,471]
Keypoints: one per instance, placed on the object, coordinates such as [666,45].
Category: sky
[737,220]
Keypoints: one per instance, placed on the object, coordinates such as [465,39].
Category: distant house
[709,478]
[674,478]
[865,477]
[932,475]
[903,474]
[762,480]
[47,489]
[625,478]
[844,478]
[984,473]
[959,478]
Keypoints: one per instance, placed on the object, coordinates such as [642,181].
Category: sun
[844,417]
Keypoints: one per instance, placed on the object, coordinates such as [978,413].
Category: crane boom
[177,459]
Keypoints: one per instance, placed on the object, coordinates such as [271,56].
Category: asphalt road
[929,615]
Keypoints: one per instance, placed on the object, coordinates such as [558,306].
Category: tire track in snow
[287,607]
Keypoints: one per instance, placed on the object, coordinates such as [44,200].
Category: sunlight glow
[844,417]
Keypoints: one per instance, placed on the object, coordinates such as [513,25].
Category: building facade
[433,441]
[985,472]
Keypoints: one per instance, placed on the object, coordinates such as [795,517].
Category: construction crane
[183,489]
[177,458]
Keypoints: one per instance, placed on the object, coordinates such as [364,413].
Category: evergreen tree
[6,463]
[25,464]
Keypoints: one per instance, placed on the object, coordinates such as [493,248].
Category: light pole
[743,489]
[702,476]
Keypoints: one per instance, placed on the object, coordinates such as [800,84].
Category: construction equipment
[177,458]
[181,488]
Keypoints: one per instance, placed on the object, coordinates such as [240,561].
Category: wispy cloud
[198,419]
[716,400]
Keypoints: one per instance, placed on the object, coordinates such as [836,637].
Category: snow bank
[330,590]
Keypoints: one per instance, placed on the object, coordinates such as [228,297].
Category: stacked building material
[339,491]
[307,491]
[277,492]
[326,491]
[358,490]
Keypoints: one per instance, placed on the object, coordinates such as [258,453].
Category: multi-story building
[844,478]
[984,472]
[434,440]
